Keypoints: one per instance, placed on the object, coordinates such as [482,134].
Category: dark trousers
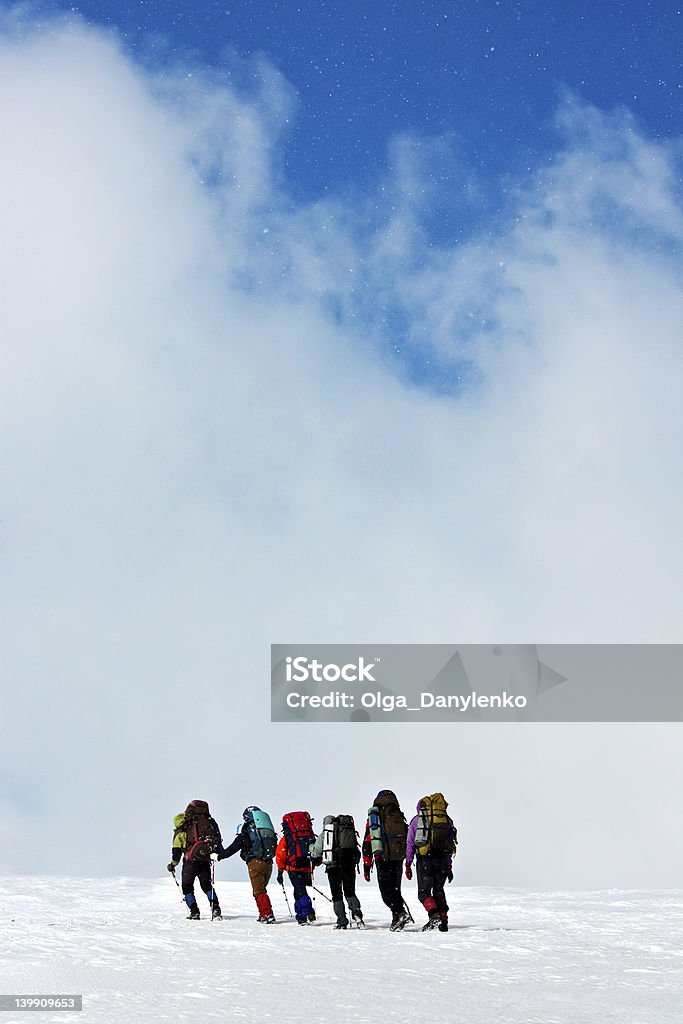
[342,882]
[431,878]
[302,901]
[201,870]
[342,879]
[389,874]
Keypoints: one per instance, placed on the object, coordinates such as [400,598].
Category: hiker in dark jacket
[259,865]
[432,840]
[384,845]
[196,836]
[337,848]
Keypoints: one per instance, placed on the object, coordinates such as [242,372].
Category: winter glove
[280,879]
[215,856]
[409,872]
[172,866]
[449,876]
[366,874]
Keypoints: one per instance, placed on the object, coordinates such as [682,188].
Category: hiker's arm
[179,846]
[410,842]
[367,851]
[315,851]
[235,846]
[281,854]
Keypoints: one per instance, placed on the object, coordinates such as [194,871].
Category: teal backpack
[261,833]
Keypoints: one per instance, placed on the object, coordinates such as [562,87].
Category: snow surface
[510,956]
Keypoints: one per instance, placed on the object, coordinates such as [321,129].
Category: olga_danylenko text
[302,669]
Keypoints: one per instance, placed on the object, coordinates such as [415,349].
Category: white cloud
[206,449]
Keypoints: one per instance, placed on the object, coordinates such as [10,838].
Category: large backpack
[388,828]
[339,839]
[435,833]
[200,833]
[261,834]
[297,829]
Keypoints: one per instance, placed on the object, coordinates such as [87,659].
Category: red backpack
[297,829]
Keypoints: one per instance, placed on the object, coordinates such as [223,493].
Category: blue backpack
[261,833]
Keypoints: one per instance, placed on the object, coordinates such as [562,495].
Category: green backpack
[388,828]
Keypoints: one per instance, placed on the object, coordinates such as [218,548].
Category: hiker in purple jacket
[432,841]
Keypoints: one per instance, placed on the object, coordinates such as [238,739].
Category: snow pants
[259,876]
[201,870]
[431,878]
[303,907]
[389,874]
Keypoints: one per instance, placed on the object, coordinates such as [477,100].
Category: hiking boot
[400,921]
[340,913]
[266,919]
[194,914]
[303,920]
[358,918]
[443,926]
[311,917]
[431,924]
[215,911]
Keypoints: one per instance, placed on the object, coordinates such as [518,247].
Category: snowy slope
[510,956]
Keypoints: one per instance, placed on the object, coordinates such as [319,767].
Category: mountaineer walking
[256,844]
[293,856]
[195,837]
[337,849]
[432,839]
[384,845]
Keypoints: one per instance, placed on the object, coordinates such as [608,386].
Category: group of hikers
[429,841]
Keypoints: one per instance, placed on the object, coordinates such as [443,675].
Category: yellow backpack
[435,834]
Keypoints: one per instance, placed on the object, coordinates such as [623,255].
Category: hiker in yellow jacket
[196,836]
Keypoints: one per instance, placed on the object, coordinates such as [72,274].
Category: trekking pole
[321,893]
[286,900]
[407,910]
[182,898]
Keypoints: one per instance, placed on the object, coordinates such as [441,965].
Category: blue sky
[476,85]
[489,72]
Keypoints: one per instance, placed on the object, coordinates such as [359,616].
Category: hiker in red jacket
[292,856]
